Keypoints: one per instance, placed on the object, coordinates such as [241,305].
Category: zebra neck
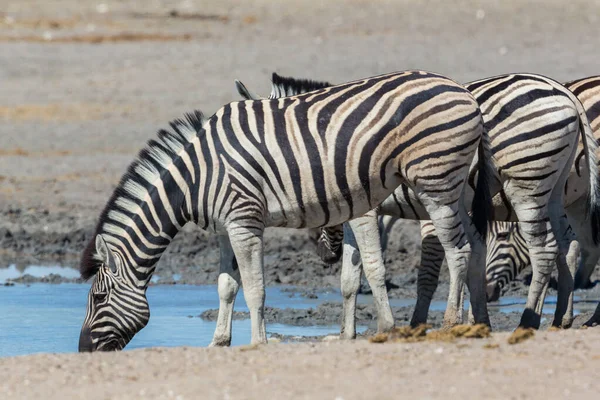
[139,232]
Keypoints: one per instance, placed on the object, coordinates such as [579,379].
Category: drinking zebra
[307,161]
[520,109]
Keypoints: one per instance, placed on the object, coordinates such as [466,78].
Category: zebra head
[152,202]
[116,308]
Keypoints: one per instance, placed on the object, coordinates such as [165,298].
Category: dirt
[85,84]
[329,313]
[551,365]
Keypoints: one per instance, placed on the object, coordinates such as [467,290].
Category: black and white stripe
[507,253]
[532,124]
[312,160]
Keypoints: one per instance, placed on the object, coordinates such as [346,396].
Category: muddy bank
[330,313]
[38,236]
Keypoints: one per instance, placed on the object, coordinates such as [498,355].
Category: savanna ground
[85,84]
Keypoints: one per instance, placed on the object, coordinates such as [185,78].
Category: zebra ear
[244,92]
[105,253]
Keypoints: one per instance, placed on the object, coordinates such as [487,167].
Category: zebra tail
[590,148]
[482,200]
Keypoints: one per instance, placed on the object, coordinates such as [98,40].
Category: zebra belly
[338,207]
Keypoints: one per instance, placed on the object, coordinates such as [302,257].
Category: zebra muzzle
[328,255]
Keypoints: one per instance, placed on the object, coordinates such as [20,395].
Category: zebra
[404,204]
[507,253]
[531,316]
[312,160]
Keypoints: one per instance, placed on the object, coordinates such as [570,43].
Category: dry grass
[20,152]
[58,112]
[8,22]
[520,335]
[39,23]
[14,152]
[491,346]
[554,329]
[124,37]
[420,333]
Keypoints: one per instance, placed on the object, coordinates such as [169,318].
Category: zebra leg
[478,312]
[587,264]
[568,250]
[228,286]
[476,282]
[351,272]
[595,320]
[449,225]
[537,231]
[567,261]
[386,223]
[590,253]
[366,232]
[567,266]
[247,245]
[432,257]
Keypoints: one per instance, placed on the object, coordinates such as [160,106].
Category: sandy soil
[551,365]
[85,83]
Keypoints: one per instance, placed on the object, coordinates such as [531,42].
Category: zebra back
[329,239]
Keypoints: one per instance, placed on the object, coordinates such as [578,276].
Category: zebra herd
[313,155]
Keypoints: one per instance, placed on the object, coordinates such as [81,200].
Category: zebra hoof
[220,342]
[327,255]
[592,322]
[530,319]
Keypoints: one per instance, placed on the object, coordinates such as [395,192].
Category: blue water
[47,317]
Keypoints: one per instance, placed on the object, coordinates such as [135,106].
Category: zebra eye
[100,296]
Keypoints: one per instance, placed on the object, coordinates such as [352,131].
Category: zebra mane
[287,86]
[145,169]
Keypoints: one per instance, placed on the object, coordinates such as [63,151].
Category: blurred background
[85,83]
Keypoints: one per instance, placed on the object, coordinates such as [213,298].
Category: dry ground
[552,365]
[85,83]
